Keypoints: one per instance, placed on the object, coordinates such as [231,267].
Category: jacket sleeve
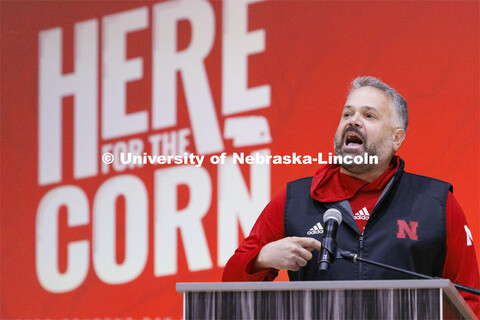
[268,227]
[461,262]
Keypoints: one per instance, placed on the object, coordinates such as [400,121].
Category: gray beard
[375,149]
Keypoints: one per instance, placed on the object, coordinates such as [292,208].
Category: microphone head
[332,214]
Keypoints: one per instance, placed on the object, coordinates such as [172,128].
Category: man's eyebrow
[363,107]
[369,108]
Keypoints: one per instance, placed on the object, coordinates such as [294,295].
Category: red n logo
[404,229]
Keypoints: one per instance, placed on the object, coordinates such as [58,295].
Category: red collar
[330,185]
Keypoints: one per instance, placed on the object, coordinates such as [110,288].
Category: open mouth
[353,139]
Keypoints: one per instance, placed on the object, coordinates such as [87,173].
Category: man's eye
[346,115]
[370,116]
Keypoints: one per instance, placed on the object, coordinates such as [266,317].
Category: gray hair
[398,102]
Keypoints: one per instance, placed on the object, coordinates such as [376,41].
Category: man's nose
[355,121]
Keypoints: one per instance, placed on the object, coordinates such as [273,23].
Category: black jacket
[406,229]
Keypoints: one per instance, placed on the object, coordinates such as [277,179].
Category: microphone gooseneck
[353,257]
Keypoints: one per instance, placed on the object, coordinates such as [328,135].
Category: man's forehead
[368,97]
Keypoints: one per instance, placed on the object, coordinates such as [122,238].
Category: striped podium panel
[375,299]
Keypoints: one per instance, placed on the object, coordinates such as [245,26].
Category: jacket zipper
[361,238]
[360,253]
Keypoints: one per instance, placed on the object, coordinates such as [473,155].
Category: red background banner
[274,78]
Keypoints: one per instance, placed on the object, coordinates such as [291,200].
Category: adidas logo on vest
[316,229]
[362,214]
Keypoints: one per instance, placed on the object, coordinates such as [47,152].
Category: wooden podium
[375,299]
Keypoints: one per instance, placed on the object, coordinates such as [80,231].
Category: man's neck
[370,175]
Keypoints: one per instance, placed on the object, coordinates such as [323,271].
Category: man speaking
[389,216]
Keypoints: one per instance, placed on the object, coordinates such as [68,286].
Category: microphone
[332,218]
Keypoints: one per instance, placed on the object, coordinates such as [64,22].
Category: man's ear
[398,137]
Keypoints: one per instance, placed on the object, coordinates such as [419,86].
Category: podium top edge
[314,285]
